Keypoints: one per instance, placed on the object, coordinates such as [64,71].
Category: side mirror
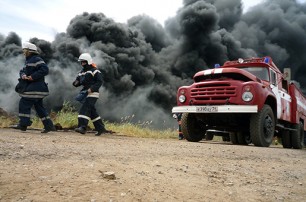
[287,74]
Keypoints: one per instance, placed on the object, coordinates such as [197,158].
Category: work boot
[19,127]
[80,130]
[47,130]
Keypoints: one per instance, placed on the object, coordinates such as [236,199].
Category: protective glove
[76,83]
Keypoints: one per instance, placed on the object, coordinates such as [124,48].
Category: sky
[44,19]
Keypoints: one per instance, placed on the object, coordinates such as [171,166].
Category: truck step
[284,128]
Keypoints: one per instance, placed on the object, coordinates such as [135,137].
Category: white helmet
[85,57]
[29,46]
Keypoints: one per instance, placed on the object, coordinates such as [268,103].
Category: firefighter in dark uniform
[34,73]
[91,80]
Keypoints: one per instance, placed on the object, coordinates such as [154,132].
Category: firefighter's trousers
[25,105]
[88,112]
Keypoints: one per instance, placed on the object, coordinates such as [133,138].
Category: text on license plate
[207,109]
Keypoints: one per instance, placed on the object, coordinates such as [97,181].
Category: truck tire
[233,137]
[244,138]
[262,127]
[240,138]
[209,135]
[192,129]
[297,136]
[304,138]
[226,138]
[286,139]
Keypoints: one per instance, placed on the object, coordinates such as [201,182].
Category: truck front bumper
[216,109]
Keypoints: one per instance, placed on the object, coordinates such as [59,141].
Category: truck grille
[212,93]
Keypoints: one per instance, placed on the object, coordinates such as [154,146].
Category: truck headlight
[247,96]
[182,98]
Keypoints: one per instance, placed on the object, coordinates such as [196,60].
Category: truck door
[282,97]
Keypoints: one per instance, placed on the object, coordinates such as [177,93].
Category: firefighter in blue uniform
[33,73]
[91,80]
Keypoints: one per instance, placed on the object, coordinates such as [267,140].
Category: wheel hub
[268,126]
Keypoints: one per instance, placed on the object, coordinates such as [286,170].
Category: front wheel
[262,127]
[193,129]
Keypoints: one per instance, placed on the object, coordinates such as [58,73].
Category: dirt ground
[66,166]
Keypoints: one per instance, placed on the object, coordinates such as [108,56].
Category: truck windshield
[259,72]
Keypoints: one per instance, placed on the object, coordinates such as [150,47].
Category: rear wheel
[226,137]
[209,135]
[286,139]
[262,127]
[244,138]
[233,137]
[297,136]
[193,129]
[304,138]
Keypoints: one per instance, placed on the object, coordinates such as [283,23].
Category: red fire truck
[251,99]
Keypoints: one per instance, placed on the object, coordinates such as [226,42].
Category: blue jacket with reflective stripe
[37,69]
[89,77]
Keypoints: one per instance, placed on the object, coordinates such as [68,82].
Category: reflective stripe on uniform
[35,64]
[94,94]
[96,119]
[93,73]
[81,73]
[45,118]
[25,115]
[96,71]
[32,96]
[36,93]
[84,117]
[89,72]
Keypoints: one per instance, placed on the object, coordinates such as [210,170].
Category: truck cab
[249,98]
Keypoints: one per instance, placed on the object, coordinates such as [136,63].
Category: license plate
[207,109]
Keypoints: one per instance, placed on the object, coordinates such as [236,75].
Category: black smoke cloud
[144,63]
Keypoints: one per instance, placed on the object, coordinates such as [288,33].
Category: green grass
[67,118]
[7,121]
[134,130]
